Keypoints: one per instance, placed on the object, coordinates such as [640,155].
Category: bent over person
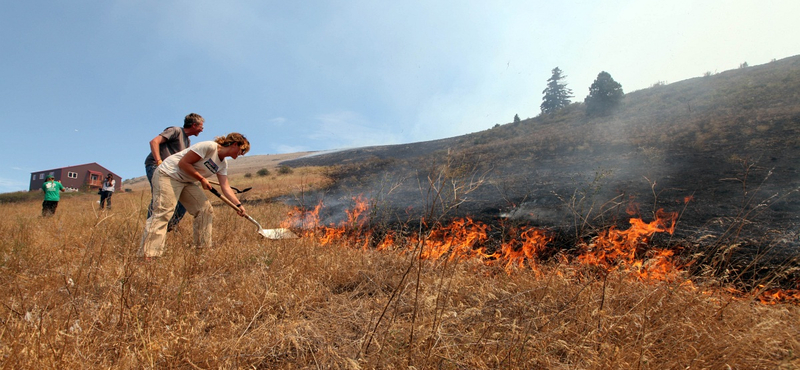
[183,177]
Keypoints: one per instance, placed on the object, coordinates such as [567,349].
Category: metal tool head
[253,220]
[275,234]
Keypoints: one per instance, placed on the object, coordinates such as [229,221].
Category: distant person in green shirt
[51,190]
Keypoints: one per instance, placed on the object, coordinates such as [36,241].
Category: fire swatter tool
[234,188]
[281,233]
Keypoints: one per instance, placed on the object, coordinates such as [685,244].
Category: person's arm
[63,189]
[186,164]
[154,148]
[228,193]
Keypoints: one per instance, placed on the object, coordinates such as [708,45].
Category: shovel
[274,234]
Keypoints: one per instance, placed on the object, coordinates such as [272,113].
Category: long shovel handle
[228,202]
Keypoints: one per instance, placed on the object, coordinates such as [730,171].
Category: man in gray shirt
[170,141]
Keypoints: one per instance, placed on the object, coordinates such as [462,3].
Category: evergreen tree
[556,95]
[516,118]
[604,95]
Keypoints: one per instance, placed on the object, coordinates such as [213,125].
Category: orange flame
[456,241]
[354,216]
[776,296]
[299,218]
[523,247]
[527,247]
[615,249]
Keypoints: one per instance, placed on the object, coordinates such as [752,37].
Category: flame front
[522,247]
[614,249]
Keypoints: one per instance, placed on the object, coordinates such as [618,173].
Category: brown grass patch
[74,296]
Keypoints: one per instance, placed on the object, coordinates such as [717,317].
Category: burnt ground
[734,214]
[736,164]
[550,191]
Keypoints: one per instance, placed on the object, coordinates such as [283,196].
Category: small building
[87,176]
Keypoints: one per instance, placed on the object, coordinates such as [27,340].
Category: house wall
[37,178]
[89,175]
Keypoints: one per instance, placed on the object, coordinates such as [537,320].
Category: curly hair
[234,138]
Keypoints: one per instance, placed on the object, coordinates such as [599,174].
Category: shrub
[263,172]
[604,95]
[284,170]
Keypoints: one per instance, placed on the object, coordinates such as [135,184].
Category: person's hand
[205,184]
[240,210]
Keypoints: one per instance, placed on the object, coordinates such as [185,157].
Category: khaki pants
[166,194]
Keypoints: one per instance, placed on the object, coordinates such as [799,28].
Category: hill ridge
[728,142]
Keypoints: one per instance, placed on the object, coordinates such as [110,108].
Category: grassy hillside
[568,261]
[721,150]
[749,113]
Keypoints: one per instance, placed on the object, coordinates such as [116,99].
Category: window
[72,175]
[94,177]
[34,177]
[41,176]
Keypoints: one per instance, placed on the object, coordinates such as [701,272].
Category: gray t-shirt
[175,140]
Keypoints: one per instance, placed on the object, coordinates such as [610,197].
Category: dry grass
[74,296]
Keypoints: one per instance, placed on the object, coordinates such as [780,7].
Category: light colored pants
[166,193]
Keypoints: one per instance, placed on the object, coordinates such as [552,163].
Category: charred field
[719,152]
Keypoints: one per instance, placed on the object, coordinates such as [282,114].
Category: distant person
[183,176]
[170,141]
[52,195]
[106,191]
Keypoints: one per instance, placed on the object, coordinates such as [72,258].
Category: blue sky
[94,81]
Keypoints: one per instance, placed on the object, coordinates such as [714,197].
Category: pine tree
[604,95]
[556,95]
[516,118]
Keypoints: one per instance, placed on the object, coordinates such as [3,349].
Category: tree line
[604,94]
